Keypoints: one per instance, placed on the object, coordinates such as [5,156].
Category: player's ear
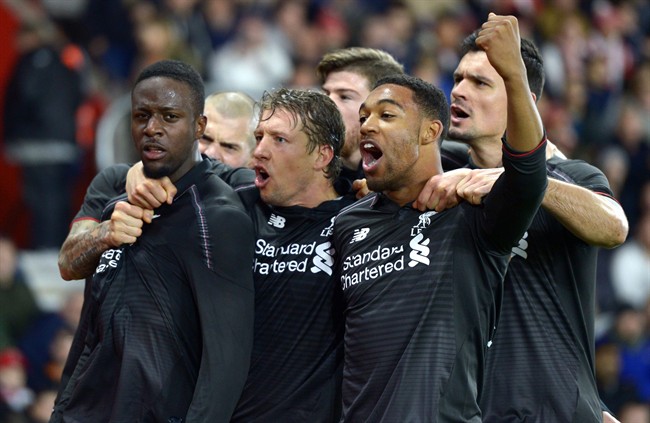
[199,129]
[432,131]
[324,157]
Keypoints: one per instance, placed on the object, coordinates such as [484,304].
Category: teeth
[368,145]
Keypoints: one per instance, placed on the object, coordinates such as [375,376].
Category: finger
[147,215]
[169,188]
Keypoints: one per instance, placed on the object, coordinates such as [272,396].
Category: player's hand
[499,38]
[477,184]
[360,188]
[125,225]
[439,193]
[148,193]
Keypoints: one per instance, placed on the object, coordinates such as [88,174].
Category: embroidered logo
[419,251]
[423,222]
[328,231]
[359,235]
[277,221]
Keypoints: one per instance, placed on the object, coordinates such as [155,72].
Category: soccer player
[421,289]
[296,365]
[540,366]
[347,75]
[166,330]
[228,137]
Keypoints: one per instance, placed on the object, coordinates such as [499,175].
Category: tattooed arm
[88,239]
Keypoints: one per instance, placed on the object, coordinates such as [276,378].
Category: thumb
[147,215]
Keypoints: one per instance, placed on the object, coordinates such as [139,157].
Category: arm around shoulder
[596,219]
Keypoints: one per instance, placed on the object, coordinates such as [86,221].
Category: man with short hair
[228,137]
[347,76]
[167,324]
[421,289]
[295,372]
[540,366]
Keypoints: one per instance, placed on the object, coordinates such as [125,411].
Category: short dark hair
[372,64]
[430,99]
[321,119]
[532,60]
[179,71]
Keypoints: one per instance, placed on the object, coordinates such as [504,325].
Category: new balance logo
[277,221]
[359,235]
[419,251]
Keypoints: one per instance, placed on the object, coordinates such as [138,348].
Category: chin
[153,172]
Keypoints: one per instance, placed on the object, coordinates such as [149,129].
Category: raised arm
[499,38]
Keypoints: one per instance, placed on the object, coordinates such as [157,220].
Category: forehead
[346,80]
[279,120]
[477,63]
[390,94]
[161,92]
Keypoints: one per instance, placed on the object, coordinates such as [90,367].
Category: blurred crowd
[74,58]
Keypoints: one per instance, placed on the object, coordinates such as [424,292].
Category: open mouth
[370,154]
[458,113]
[261,176]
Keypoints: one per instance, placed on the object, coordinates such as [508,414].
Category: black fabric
[540,367]
[169,319]
[295,371]
[421,292]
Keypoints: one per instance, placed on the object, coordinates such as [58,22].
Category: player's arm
[152,193]
[596,219]
[88,239]
[499,38]
[517,194]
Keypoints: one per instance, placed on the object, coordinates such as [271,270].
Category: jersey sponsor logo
[423,222]
[359,235]
[392,261]
[293,257]
[277,221]
[419,251]
[520,249]
[109,260]
[324,259]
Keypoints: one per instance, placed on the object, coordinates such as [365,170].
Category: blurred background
[66,69]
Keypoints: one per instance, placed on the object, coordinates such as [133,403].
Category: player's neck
[486,154]
[318,194]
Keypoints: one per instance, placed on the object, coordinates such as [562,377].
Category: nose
[261,151]
[214,152]
[368,125]
[153,126]
[458,90]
